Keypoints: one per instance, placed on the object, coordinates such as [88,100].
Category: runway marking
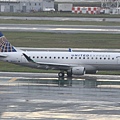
[13,79]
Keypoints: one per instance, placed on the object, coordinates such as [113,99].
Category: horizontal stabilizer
[3,56]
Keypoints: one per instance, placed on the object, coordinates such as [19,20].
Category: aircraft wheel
[61,74]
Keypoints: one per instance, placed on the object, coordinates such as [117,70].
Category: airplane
[70,62]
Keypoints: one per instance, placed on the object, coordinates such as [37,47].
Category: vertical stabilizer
[5,46]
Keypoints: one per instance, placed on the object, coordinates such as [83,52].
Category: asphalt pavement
[61,18]
[23,98]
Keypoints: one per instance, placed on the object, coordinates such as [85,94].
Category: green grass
[59,14]
[9,67]
[108,72]
[59,40]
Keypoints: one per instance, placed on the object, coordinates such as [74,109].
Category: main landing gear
[62,74]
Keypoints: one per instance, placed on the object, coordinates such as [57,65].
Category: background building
[110,6]
[26,5]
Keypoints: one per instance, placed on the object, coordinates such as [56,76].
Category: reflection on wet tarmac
[74,82]
[59,99]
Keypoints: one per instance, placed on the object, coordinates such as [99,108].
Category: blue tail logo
[5,46]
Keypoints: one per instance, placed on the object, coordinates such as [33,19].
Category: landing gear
[69,74]
[61,74]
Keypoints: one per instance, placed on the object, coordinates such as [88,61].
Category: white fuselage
[89,60]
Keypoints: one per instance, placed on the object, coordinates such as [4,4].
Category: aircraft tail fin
[5,46]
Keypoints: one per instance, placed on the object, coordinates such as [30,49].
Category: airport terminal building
[26,5]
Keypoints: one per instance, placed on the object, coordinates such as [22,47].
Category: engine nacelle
[78,70]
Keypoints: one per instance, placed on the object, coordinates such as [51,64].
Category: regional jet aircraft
[72,63]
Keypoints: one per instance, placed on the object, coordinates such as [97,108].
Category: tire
[60,74]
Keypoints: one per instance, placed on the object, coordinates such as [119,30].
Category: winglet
[28,58]
[70,50]
[3,56]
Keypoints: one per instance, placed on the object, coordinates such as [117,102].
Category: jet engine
[78,70]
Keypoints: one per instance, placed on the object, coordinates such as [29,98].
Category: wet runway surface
[23,98]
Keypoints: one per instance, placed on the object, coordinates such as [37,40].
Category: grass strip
[62,40]
[60,14]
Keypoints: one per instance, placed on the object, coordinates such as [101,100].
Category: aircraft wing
[48,65]
[55,65]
